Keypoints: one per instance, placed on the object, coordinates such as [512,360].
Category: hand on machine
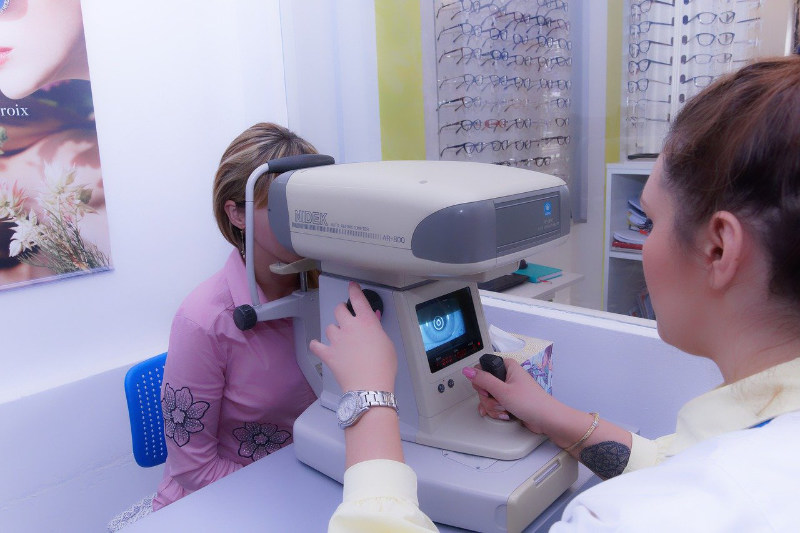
[515,395]
[359,353]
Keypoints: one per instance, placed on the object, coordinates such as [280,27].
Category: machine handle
[493,364]
[245,317]
[294,162]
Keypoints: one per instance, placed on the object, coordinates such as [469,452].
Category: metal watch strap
[348,413]
[373,398]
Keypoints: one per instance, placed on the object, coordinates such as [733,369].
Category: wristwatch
[355,403]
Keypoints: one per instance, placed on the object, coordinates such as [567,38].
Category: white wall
[172,85]
[331,73]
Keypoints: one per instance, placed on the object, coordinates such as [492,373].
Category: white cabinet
[623,277]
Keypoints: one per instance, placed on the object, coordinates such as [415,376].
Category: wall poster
[53,221]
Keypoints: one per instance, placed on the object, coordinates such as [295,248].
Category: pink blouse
[229,397]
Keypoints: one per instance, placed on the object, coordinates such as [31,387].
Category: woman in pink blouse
[230,397]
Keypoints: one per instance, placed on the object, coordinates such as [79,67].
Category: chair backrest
[143,392]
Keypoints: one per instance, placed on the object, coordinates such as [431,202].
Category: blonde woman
[230,397]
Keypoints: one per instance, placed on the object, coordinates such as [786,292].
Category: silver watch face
[347,407]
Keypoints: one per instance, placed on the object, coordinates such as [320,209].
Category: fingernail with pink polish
[469,372]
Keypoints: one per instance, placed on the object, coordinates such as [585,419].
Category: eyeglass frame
[638,65]
[730,16]
[638,26]
[644,46]
[726,55]
[714,38]
[694,80]
[637,84]
[476,124]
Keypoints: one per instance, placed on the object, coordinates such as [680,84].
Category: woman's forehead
[654,185]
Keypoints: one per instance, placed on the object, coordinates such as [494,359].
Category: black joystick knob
[245,317]
[374,301]
[494,365]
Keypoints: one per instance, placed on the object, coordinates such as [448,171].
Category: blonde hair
[255,146]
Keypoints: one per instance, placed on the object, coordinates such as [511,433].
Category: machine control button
[441,387]
[451,383]
[374,300]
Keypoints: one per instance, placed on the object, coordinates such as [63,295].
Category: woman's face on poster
[41,42]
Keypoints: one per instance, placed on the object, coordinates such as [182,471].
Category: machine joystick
[493,364]
[374,301]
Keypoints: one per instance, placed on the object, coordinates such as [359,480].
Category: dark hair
[736,147]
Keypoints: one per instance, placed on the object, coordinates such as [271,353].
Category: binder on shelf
[633,203]
[631,236]
[637,218]
[539,273]
[627,246]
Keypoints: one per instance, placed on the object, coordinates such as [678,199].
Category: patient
[721,264]
[230,397]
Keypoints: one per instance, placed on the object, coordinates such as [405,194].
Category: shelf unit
[623,277]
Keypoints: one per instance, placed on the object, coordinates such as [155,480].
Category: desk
[279,493]
[545,290]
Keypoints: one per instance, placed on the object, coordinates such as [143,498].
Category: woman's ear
[723,248]
[235,214]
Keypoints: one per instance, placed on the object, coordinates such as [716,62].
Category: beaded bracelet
[587,434]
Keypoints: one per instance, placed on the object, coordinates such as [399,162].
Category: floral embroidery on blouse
[259,440]
[181,414]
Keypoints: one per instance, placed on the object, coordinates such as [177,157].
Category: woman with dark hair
[722,264]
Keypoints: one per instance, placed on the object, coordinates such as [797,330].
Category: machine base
[461,490]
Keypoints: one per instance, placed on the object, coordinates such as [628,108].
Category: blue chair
[143,392]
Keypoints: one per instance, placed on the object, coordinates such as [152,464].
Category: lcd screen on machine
[449,328]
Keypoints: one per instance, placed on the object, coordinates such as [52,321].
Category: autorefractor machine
[419,235]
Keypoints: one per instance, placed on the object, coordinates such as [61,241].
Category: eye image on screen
[449,328]
[443,325]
